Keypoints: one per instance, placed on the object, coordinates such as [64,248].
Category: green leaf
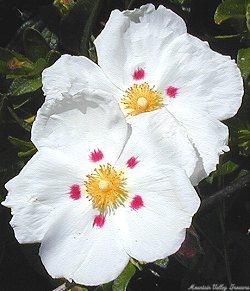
[163,263]
[24,85]
[51,38]
[52,57]
[6,54]
[106,287]
[78,288]
[243,173]
[20,143]
[92,50]
[26,126]
[82,16]
[30,120]
[34,44]
[244,140]
[47,17]
[25,148]
[28,153]
[235,9]
[88,27]
[37,69]
[3,106]
[21,104]
[39,66]
[17,39]
[229,36]
[121,283]
[13,63]
[248,16]
[210,178]
[178,1]
[224,169]
[243,61]
[64,8]
[227,168]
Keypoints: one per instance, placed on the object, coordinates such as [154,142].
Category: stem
[226,258]
[224,193]
[130,4]
[217,197]
[222,213]
[66,286]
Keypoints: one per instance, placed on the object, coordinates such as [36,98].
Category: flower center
[106,188]
[142,102]
[103,185]
[141,98]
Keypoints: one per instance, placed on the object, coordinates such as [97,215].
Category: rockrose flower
[97,193]
[149,62]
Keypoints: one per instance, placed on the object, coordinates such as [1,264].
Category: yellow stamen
[106,188]
[141,98]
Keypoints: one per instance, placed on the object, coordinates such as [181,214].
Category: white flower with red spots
[149,62]
[97,193]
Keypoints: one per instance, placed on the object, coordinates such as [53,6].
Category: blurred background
[33,35]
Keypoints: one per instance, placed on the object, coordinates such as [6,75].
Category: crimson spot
[137,202]
[96,156]
[171,91]
[132,162]
[138,74]
[99,220]
[75,192]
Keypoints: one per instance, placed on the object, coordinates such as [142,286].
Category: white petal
[157,229]
[40,192]
[205,79]
[136,14]
[80,124]
[77,250]
[71,74]
[157,138]
[208,135]
[137,37]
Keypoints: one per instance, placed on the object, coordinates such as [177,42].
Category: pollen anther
[106,188]
[141,98]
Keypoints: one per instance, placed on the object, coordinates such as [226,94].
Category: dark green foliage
[35,45]
[24,85]
[121,283]
[243,60]
[81,16]
[231,9]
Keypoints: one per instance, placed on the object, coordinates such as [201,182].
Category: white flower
[97,193]
[149,62]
